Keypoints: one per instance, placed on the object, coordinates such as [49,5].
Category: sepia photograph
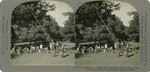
[99,33]
[42,34]
[107,34]
[74,36]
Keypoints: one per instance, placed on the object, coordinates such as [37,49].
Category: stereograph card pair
[74,36]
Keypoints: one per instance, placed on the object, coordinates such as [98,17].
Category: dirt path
[108,59]
[42,59]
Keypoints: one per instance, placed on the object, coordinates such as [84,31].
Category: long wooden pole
[104,23]
[49,39]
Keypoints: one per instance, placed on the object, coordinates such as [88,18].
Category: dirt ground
[43,59]
[94,59]
[108,59]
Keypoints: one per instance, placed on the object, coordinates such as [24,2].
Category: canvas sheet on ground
[74,36]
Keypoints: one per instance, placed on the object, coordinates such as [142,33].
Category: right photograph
[107,34]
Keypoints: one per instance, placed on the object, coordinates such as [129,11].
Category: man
[115,45]
[62,49]
[56,48]
[46,50]
[119,47]
[126,48]
[51,45]
[106,46]
[102,48]
[34,48]
[27,49]
[83,50]
[37,48]
[111,50]
[24,50]
[31,49]
[97,48]
[19,50]
[122,46]
[91,50]
[77,50]
[41,47]
[13,50]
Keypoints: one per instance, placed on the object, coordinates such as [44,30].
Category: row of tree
[28,21]
[83,26]
[95,22]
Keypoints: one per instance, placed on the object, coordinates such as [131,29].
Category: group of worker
[123,47]
[119,47]
[56,46]
[31,49]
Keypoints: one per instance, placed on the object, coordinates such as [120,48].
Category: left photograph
[42,34]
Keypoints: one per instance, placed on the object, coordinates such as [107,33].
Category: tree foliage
[133,30]
[85,25]
[89,23]
[95,22]
[25,26]
[68,31]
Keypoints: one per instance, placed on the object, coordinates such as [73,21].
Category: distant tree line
[82,26]
[26,28]
[89,26]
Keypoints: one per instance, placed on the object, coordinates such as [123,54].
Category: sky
[62,7]
[122,13]
[59,10]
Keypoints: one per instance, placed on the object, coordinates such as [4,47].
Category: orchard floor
[108,59]
[96,59]
[43,59]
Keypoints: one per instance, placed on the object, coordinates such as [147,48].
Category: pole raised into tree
[114,38]
[45,33]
